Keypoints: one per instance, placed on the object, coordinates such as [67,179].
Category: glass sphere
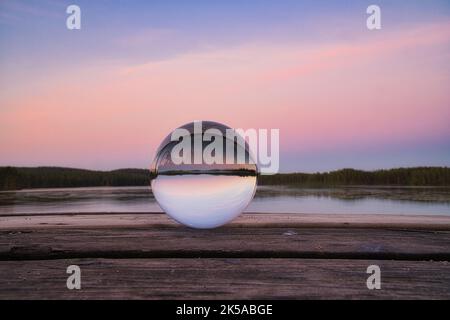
[213,185]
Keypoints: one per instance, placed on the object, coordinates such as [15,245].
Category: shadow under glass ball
[204,195]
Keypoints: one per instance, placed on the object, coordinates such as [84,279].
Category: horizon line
[292,172]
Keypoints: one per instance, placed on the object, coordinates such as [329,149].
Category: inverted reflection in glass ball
[203,193]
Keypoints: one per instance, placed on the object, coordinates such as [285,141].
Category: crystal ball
[203,174]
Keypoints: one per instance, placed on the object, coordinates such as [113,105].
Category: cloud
[278,62]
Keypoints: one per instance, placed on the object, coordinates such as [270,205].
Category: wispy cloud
[263,63]
[327,56]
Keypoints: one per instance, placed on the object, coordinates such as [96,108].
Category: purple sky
[105,96]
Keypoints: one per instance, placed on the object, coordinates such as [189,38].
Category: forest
[15,178]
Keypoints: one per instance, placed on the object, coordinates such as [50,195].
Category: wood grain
[260,220]
[224,279]
[258,256]
[226,242]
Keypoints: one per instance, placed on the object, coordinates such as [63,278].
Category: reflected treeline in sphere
[201,186]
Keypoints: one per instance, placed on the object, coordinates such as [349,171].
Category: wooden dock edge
[257,256]
[260,220]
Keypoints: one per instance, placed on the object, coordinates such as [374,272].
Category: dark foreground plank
[226,242]
[223,279]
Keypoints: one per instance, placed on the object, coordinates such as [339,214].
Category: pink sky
[380,89]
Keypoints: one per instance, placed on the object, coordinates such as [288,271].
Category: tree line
[14,178]
[418,176]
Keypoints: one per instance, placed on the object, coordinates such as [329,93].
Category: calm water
[356,200]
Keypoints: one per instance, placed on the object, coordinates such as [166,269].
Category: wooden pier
[257,256]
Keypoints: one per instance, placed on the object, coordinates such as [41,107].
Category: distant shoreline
[17,178]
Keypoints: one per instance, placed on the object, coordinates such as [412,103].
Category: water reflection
[358,200]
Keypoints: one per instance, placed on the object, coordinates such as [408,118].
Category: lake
[268,199]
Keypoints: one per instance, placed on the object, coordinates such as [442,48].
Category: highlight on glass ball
[204,174]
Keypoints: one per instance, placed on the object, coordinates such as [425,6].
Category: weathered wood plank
[258,256]
[157,242]
[261,220]
[224,279]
